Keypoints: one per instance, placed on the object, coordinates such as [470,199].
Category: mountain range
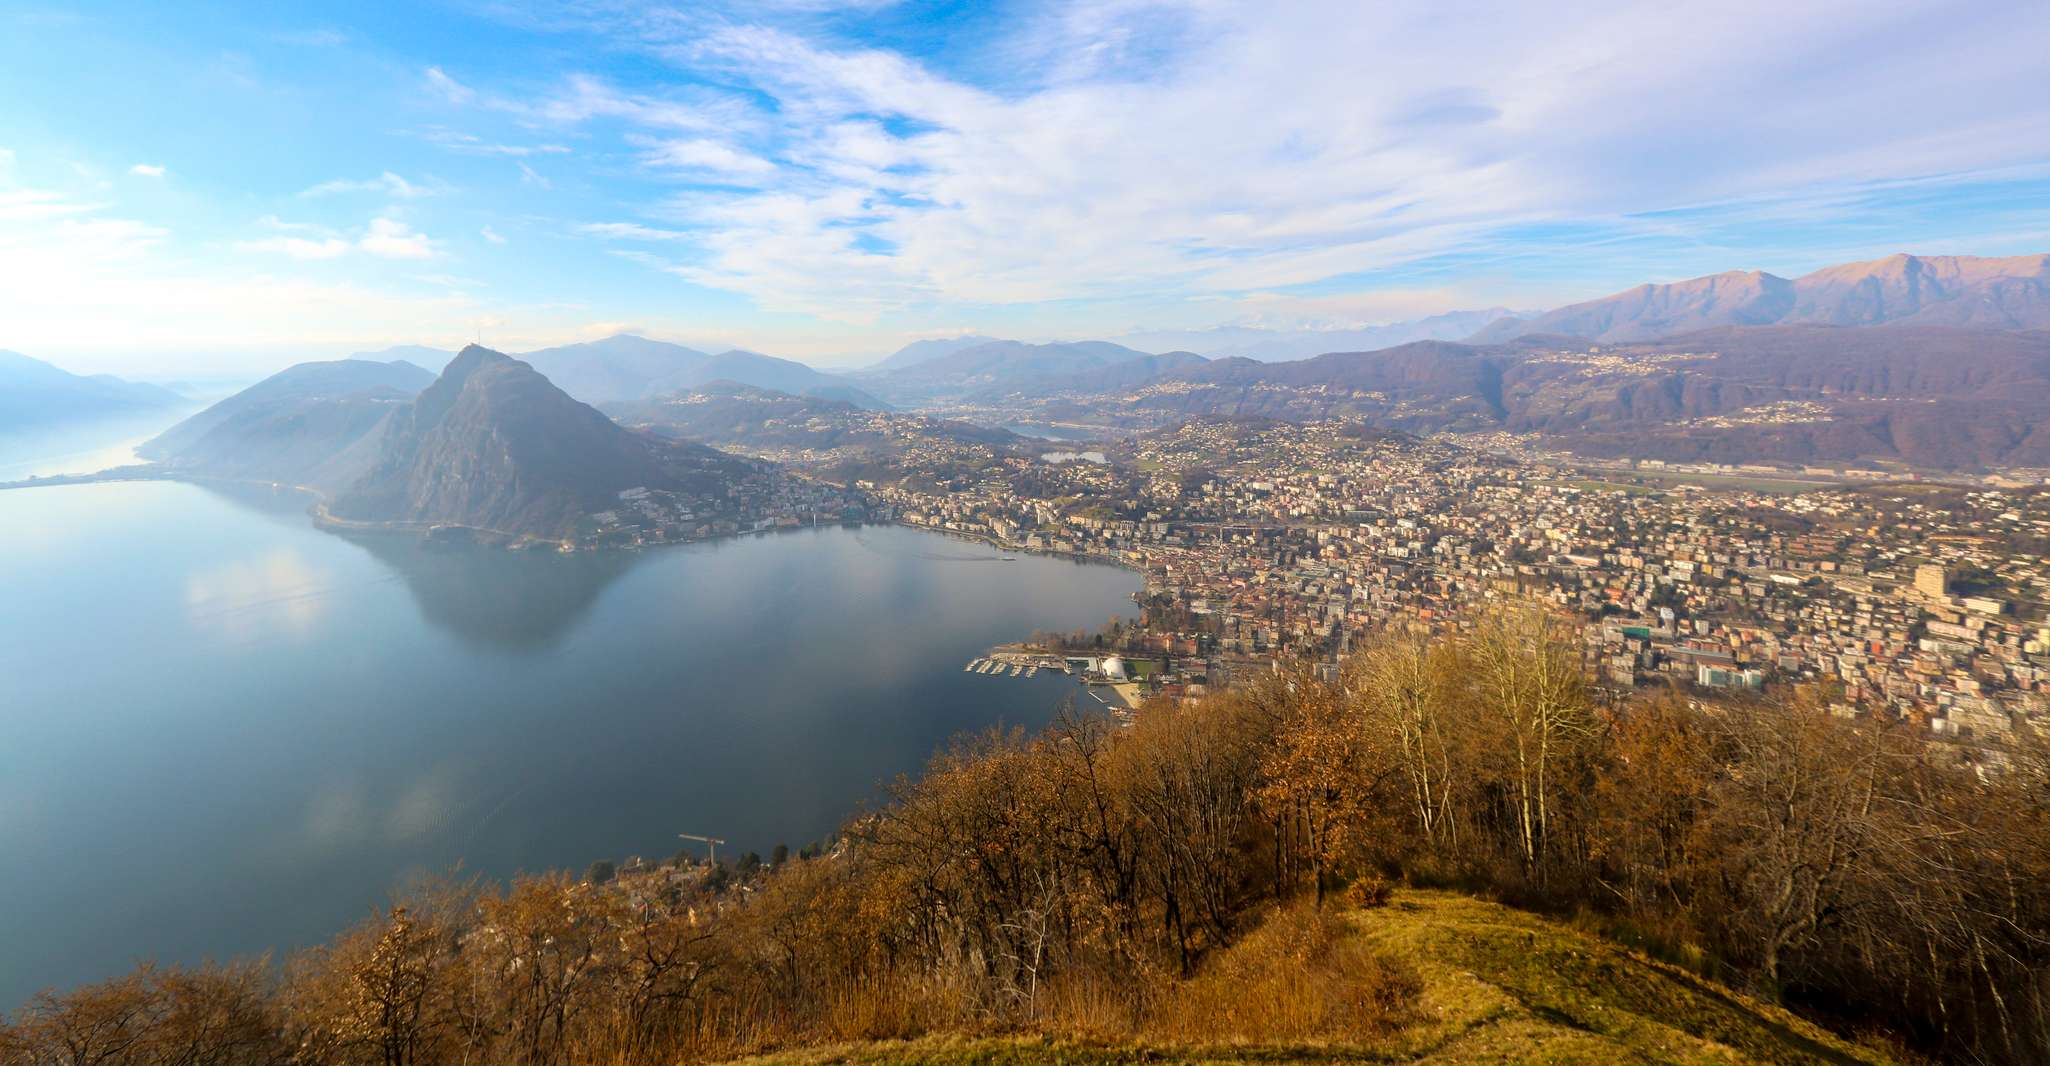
[489,444]
[727,414]
[625,367]
[1943,290]
[1275,345]
[1931,396]
[33,392]
[1931,361]
[992,369]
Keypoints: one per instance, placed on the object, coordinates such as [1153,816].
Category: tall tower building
[1932,581]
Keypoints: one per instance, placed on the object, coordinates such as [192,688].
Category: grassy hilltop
[1492,984]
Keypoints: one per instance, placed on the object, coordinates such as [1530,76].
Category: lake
[80,447]
[227,731]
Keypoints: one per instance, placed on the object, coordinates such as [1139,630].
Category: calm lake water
[80,447]
[222,730]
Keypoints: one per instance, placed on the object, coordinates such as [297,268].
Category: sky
[200,188]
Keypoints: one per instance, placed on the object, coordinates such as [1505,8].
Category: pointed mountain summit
[493,445]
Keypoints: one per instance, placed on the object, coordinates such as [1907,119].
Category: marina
[1101,674]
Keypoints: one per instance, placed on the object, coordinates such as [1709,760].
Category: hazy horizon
[827,181]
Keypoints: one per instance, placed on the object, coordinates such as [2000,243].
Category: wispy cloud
[146,170]
[448,88]
[27,205]
[384,237]
[632,231]
[1259,149]
[1039,169]
[705,155]
[387,183]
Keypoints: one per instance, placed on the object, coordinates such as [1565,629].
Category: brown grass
[1298,977]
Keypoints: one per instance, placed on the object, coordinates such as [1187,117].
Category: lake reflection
[226,730]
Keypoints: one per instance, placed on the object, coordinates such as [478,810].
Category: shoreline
[427,533]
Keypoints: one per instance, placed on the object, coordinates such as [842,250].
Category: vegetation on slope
[1476,981]
[1218,876]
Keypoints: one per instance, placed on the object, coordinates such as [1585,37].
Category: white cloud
[1129,158]
[514,150]
[384,237]
[703,154]
[584,98]
[146,170]
[387,183]
[448,88]
[103,292]
[471,144]
[24,205]
[298,247]
[1165,151]
[633,231]
[391,239]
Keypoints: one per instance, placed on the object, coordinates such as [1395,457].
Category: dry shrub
[892,1007]
[1368,893]
[1100,1003]
[1297,977]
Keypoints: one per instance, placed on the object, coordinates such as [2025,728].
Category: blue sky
[226,187]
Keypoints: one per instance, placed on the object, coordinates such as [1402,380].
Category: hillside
[921,351]
[428,358]
[33,392]
[1227,872]
[1497,985]
[1931,396]
[302,425]
[492,444]
[1945,290]
[726,413]
[625,368]
[1001,367]
[1283,345]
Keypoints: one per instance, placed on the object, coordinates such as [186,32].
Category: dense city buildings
[1265,539]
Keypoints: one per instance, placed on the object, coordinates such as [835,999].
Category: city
[1258,541]
[1037,533]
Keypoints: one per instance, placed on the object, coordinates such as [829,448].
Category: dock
[1017,662]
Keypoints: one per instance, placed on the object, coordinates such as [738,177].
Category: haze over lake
[227,731]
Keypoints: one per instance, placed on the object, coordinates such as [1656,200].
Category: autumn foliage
[1186,880]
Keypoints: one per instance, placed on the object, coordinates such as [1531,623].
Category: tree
[1789,820]
[1407,690]
[1528,679]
